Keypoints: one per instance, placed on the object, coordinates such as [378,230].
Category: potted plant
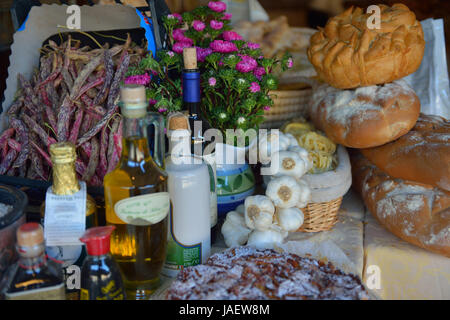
[235,80]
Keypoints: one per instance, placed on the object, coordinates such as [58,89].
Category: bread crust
[421,155]
[347,54]
[365,117]
[415,212]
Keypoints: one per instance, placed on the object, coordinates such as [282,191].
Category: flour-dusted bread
[422,155]
[415,212]
[348,54]
[364,117]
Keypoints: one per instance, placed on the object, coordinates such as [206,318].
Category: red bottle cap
[97,240]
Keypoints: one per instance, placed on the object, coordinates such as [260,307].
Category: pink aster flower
[161,110]
[179,46]
[259,72]
[227,16]
[254,87]
[178,35]
[247,64]
[170,53]
[231,36]
[175,16]
[223,46]
[267,108]
[198,25]
[212,81]
[152,102]
[142,79]
[290,63]
[216,25]
[202,53]
[253,46]
[217,6]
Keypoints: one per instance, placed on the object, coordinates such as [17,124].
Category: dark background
[300,13]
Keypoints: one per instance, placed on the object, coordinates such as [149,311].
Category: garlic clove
[305,194]
[267,239]
[241,209]
[290,163]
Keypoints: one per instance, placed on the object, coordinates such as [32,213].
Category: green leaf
[250,177]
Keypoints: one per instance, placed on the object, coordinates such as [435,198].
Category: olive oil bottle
[136,199]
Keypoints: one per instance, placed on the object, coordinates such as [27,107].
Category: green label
[179,256]
[143,210]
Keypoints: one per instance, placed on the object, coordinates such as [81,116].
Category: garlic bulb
[289,219]
[234,230]
[290,163]
[259,212]
[305,194]
[268,238]
[284,191]
[267,145]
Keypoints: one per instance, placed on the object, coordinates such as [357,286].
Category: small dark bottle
[100,274]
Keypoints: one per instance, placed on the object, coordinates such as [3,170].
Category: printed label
[65,217]
[179,256]
[48,293]
[143,210]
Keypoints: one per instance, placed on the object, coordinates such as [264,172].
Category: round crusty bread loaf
[421,155]
[348,54]
[415,212]
[364,117]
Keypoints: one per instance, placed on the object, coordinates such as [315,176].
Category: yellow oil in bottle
[139,250]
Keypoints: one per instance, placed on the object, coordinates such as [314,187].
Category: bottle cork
[178,122]
[30,234]
[190,58]
[132,93]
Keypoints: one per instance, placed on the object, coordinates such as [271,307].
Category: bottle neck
[135,143]
[33,257]
[191,91]
[65,180]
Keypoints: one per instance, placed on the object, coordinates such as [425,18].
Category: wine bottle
[198,126]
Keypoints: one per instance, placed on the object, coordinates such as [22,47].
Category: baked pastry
[415,212]
[365,117]
[247,273]
[348,54]
[421,155]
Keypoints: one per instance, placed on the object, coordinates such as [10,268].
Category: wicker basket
[320,216]
[288,104]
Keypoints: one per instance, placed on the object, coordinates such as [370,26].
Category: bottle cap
[30,234]
[133,101]
[62,152]
[190,58]
[178,121]
[97,240]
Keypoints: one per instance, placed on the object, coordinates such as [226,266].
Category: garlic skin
[290,163]
[292,140]
[267,145]
[259,212]
[305,194]
[284,191]
[289,219]
[234,230]
[267,239]
[304,154]
[241,209]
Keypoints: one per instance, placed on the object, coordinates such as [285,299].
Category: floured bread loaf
[415,212]
[364,117]
[347,54]
[421,155]
[246,273]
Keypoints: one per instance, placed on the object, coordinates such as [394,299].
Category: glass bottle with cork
[136,199]
[198,126]
[65,185]
[34,277]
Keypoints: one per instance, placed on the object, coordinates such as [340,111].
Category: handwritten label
[143,210]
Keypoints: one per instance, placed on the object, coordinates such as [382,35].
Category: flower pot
[235,179]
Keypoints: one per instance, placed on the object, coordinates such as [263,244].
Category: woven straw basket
[320,216]
[288,104]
